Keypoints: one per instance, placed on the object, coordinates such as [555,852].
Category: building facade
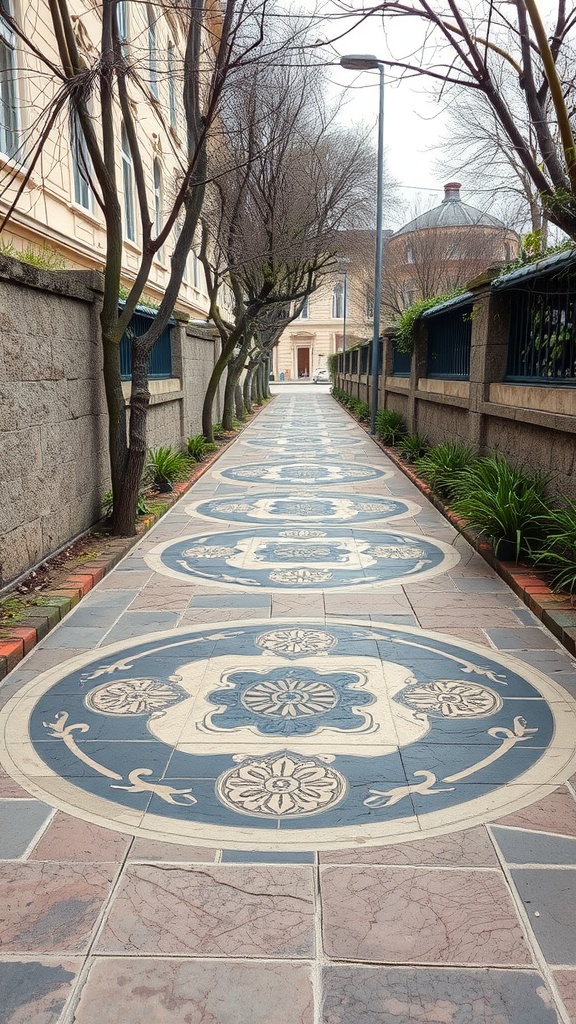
[57,206]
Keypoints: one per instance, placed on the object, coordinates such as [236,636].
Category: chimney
[452,192]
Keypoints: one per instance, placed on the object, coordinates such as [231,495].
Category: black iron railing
[542,335]
[401,362]
[449,341]
[160,361]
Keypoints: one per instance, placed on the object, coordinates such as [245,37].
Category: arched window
[128,188]
[9,115]
[338,301]
[152,53]
[171,86]
[81,164]
[305,313]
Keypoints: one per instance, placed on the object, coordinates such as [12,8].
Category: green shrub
[413,447]
[198,447]
[108,505]
[42,256]
[362,411]
[501,501]
[165,467]
[390,425]
[558,551]
[442,464]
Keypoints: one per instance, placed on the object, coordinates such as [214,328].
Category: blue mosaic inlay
[303,559]
[302,507]
[304,472]
[284,441]
[266,736]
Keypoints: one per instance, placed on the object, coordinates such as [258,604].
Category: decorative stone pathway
[301,758]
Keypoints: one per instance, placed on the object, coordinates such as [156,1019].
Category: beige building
[57,206]
[336,316]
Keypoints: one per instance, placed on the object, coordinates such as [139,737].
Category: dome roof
[451,213]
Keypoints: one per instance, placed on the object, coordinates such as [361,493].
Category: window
[195,270]
[8,93]
[158,201]
[122,25]
[338,301]
[409,255]
[128,187]
[171,87]
[305,312]
[152,53]
[81,165]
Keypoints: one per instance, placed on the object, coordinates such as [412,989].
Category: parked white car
[321,376]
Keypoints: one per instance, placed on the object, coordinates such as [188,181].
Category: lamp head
[360,62]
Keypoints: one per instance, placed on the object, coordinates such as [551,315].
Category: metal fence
[160,361]
[542,336]
[401,362]
[449,342]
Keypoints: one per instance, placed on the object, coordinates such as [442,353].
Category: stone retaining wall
[53,420]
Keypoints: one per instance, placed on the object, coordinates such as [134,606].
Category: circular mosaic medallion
[303,507]
[307,736]
[305,473]
[285,441]
[271,559]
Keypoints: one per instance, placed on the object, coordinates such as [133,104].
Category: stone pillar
[417,370]
[489,349]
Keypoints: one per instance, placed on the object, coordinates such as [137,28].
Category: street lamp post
[367,62]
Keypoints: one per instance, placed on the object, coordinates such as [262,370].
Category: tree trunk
[238,401]
[213,383]
[125,512]
[247,389]
[228,410]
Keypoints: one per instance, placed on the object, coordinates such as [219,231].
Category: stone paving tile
[387,995]
[20,821]
[171,991]
[141,623]
[475,636]
[157,851]
[470,848]
[67,636]
[556,813]
[526,638]
[177,599]
[121,580]
[566,982]
[35,991]
[230,614]
[484,617]
[10,788]
[549,897]
[240,600]
[216,911]
[447,916]
[50,908]
[384,603]
[520,847]
[68,838]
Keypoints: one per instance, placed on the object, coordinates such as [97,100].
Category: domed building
[443,249]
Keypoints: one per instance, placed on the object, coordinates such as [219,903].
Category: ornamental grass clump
[441,466]
[390,425]
[502,502]
[413,447]
[557,554]
[166,466]
[198,447]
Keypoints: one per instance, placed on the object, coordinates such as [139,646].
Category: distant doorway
[303,362]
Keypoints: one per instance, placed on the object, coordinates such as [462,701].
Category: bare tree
[98,84]
[478,47]
[271,229]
